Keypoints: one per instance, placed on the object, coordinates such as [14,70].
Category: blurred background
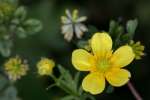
[50,43]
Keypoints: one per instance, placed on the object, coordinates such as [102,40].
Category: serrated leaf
[67,80]
[65,73]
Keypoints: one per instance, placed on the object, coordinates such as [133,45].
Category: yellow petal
[118,77]
[101,43]
[94,83]
[122,56]
[82,60]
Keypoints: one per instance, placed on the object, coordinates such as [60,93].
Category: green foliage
[5,47]
[70,85]
[7,91]
[131,27]
[3,82]
[118,33]
[14,23]
[9,94]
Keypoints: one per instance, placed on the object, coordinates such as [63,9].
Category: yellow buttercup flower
[45,66]
[103,63]
[15,68]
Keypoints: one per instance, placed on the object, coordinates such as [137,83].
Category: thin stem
[49,87]
[134,91]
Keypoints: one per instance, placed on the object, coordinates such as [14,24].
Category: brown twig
[134,91]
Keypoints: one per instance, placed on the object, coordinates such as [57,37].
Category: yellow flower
[15,68]
[45,66]
[138,49]
[103,63]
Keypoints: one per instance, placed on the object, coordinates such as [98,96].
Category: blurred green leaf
[20,13]
[112,26]
[32,26]
[5,47]
[65,73]
[76,79]
[9,94]
[131,27]
[21,33]
[3,82]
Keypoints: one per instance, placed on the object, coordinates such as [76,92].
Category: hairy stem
[134,91]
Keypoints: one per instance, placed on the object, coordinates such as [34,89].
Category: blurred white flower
[72,24]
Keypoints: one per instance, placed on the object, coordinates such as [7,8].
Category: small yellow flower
[15,68]
[103,63]
[45,66]
[138,49]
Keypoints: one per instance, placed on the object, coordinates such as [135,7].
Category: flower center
[103,65]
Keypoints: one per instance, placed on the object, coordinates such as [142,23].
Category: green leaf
[32,26]
[21,33]
[5,47]
[65,74]
[15,21]
[109,89]
[80,90]
[67,81]
[9,94]
[20,13]
[131,27]
[3,82]
[77,77]
[112,26]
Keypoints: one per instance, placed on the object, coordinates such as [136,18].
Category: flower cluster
[138,49]
[15,68]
